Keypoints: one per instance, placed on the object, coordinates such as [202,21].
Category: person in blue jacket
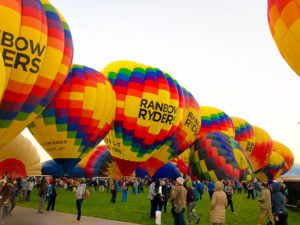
[278,206]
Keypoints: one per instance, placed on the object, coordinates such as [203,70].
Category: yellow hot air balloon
[284,23]
[3,77]
[78,118]
[20,158]
[287,155]
[149,109]
[37,51]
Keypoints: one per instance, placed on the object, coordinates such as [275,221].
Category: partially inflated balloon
[244,134]
[149,109]
[286,153]
[215,120]
[269,172]
[50,167]
[20,158]
[186,133]
[212,158]
[78,118]
[37,51]
[169,171]
[284,23]
[99,162]
[262,149]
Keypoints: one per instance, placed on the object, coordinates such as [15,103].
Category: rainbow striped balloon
[244,134]
[272,170]
[78,118]
[262,149]
[186,133]
[3,77]
[149,109]
[99,163]
[212,158]
[37,50]
[284,23]
[215,120]
[287,155]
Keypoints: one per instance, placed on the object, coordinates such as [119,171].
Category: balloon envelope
[20,158]
[37,51]
[169,171]
[149,109]
[78,118]
[50,167]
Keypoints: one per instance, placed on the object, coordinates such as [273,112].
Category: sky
[222,51]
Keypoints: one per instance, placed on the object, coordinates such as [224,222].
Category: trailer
[293,186]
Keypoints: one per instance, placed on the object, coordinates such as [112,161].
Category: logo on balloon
[14,55]
[193,123]
[157,112]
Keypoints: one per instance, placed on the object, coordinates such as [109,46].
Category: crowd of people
[182,194]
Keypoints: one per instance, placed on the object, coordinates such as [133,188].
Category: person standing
[124,190]
[190,200]
[179,194]
[42,194]
[157,200]
[218,205]
[265,205]
[151,195]
[278,206]
[51,196]
[13,197]
[29,188]
[229,192]
[211,188]
[113,190]
[79,192]
[250,189]
[165,195]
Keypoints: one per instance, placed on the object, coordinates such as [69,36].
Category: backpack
[86,194]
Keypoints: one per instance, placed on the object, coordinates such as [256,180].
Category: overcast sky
[220,50]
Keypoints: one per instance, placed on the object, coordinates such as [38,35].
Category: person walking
[211,188]
[5,201]
[79,192]
[151,195]
[29,188]
[13,197]
[228,189]
[51,196]
[278,206]
[218,205]
[42,194]
[179,194]
[190,201]
[265,206]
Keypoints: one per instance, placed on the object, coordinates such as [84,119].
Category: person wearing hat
[265,205]
[79,198]
[179,195]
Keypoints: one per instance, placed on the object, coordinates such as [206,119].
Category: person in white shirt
[79,198]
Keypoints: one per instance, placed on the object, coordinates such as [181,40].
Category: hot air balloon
[287,155]
[3,77]
[212,158]
[78,172]
[186,133]
[169,171]
[269,172]
[37,51]
[50,167]
[20,158]
[99,163]
[262,149]
[181,165]
[215,120]
[78,118]
[244,134]
[149,109]
[284,18]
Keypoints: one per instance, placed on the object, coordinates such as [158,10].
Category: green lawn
[136,210]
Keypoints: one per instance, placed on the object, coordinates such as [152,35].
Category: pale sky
[221,50]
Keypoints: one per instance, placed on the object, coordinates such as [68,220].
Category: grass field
[136,210]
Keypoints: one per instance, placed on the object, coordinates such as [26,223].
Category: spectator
[218,205]
[179,194]
[265,206]
[278,206]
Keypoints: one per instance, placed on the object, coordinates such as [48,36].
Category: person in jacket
[190,201]
[179,194]
[265,205]
[151,195]
[218,205]
[278,206]
[79,198]
[5,201]
[165,195]
[42,194]
[13,197]
[228,189]
[211,188]
[51,196]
